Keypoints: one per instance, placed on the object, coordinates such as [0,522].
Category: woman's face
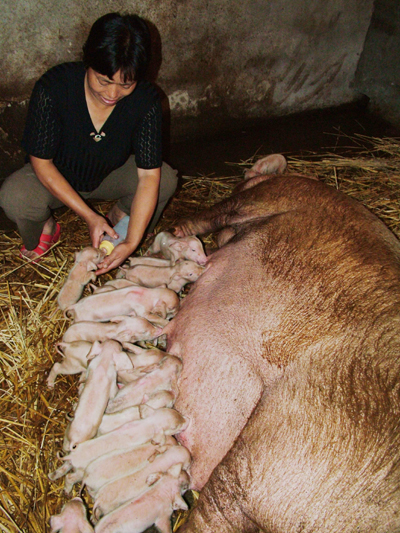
[105,91]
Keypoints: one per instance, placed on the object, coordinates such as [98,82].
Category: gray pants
[29,204]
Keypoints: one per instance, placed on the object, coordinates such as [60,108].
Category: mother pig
[291,377]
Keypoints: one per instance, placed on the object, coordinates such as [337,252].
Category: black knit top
[59,127]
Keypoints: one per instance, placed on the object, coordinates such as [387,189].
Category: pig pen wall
[378,73]
[217,62]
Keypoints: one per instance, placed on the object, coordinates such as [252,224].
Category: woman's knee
[168,183]
[22,196]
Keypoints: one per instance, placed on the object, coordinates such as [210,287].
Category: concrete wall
[378,74]
[217,61]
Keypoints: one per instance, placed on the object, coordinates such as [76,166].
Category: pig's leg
[276,196]
[72,478]
[67,367]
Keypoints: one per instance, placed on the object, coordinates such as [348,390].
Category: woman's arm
[58,186]
[142,209]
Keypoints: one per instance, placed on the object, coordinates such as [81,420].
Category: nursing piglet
[129,487]
[155,428]
[109,422]
[112,285]
[111,466]
[163,376]
[72,519]
[140,301]
[174,248]
[74,362]
[82,272]
[101,376]
[120,328]
[155,506]
[174,277]
[140,358]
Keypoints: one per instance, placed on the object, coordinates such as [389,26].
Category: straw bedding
[33,417]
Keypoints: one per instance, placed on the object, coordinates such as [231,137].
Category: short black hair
[118,42]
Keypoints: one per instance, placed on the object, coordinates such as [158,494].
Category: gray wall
[378,74]
[218,62]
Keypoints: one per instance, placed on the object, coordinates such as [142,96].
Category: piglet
[141,301]
[131,486]
[120,328]
[82,272]
[112,285]
[101,376]
[140,358]
[119,463]
[74,362]
[174,248]
[155,506]
[162,376]
[154,427]
[271,164]
[174,277]
[109,422]
[72,519]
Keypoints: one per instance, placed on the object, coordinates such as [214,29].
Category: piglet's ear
[117,319]
[94,350]
[153,478]
[145,410]
[91,266]
[175,470]
[178,246]
[179,503]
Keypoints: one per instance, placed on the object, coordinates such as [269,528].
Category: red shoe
[45,243]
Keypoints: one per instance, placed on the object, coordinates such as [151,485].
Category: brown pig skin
[296,363]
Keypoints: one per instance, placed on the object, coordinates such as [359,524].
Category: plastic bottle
[108,244]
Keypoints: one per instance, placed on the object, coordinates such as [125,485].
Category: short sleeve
[148,150]
[42,129]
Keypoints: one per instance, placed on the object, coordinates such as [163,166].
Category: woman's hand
[98,226]
[121,252]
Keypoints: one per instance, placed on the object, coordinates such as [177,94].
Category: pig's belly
[216,334]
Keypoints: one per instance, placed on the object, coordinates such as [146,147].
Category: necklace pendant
[97,136]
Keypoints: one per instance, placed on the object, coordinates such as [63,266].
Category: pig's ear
[159,439]
[133,348]
[91,265]
[94,350]
[179,503]
[145,411]
[153,478]
[148,369]
[175,470]
[118,318]
[145,399]
[178,246]
[185,425]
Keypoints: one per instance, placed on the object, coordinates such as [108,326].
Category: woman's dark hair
[118,42]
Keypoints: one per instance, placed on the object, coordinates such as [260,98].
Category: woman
[85,121]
